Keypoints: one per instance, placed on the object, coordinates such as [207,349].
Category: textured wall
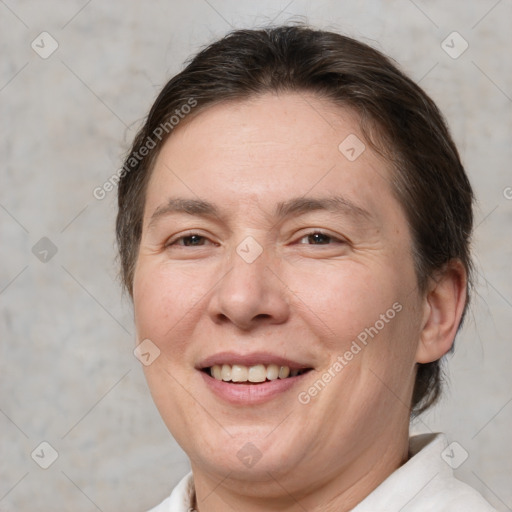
[67,373]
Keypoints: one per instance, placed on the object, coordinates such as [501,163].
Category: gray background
[67,372]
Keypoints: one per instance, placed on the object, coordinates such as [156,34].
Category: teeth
[272,372]
[284,371]
[239,373]
[216,372]
[255,373]
[225,372]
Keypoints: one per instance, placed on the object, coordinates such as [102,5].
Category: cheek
[342,300]
[365,313]
[164,300]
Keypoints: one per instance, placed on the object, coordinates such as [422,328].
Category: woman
[294,225]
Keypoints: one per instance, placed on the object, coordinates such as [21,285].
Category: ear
[443,307]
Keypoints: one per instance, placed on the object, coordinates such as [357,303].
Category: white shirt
[425,483]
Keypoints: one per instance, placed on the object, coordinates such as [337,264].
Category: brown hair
[397,118]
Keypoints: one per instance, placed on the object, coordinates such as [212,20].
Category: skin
[305,297]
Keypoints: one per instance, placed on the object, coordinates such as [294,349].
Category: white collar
[409,480]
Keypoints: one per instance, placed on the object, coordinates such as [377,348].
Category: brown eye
[192,240]
[318,238]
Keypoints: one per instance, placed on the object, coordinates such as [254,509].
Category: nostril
[222,318]
[262,316]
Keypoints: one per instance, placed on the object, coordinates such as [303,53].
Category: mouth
[251,379]
[254,374]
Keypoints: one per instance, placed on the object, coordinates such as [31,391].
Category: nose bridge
[250,291]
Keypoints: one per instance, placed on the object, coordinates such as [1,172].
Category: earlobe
[443,307]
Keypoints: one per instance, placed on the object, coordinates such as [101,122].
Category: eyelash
[311,233]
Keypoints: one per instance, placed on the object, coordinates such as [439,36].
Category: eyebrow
[195,207]
[334,204]
[292,207]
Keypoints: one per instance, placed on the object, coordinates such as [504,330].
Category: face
[275,275]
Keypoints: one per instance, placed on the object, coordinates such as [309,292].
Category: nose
[250,295]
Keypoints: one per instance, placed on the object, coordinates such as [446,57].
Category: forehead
[267,149]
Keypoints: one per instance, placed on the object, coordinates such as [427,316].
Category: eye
[190,240]
[318,238]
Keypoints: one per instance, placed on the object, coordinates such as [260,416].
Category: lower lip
[250,394]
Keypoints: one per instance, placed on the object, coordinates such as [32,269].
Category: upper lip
[255,358]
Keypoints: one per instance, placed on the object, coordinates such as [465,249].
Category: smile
[251,379]
[255,374]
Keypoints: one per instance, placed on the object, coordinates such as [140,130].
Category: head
[292,192]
